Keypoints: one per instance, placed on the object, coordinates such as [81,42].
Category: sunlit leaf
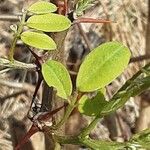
[93,106]
[38,40]
[57,76]
[42,7]
[102,66]
[49,22]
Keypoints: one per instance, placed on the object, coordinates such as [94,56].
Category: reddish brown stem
[35,129]
[48,115]
[25,139]
[62,7]
[65,7]
[40,78]
[38,59]
[91,20]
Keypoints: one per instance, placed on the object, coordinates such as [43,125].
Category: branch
[90,143]
[16,65]
[13,18]
[86,131]
[16,36]
[140,58]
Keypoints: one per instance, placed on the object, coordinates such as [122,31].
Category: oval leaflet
[57,76]
[42,7]
[49,22]
[38,40]
[102,66]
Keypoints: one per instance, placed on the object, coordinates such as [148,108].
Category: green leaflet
[102,66]
[57,76]
[42,7]
[49,22]
[93,106]
[38,40]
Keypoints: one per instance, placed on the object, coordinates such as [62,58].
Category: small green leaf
[92,107]
[38,40]
[57,76]
[102,66]
[42,7]
[49,22]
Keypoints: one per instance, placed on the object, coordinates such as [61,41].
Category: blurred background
[130,26]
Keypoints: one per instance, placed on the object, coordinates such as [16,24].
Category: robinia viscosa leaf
[49,22]
[102,66]
[42,7]
[93,106]
[57,76]
[38,40]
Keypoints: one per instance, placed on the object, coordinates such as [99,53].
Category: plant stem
[90,143]
[17,64]
[17,35]
[67,139]
[86,131]
[70,107]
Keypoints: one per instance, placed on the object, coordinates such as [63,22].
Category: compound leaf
[102,66]
[38,40]
[42,7]
[49,22]
[57,76]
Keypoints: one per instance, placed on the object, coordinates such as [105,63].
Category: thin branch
[12,95]
[24,86]
[91,20]
[16,36]
[11,18]
[90,143]
[5,70]
[85,37]
[139,58]
[86,131]
[16,65]
[25,139]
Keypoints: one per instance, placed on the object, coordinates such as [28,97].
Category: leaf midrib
[106,61]
[62,85]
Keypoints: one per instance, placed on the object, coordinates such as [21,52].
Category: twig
[16,36]
[139,58]
[11,84]
[12,95]
[24,73]
[5,70]
[86,131]
[91,20]
[16,65]
[84,36]
[13,18]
